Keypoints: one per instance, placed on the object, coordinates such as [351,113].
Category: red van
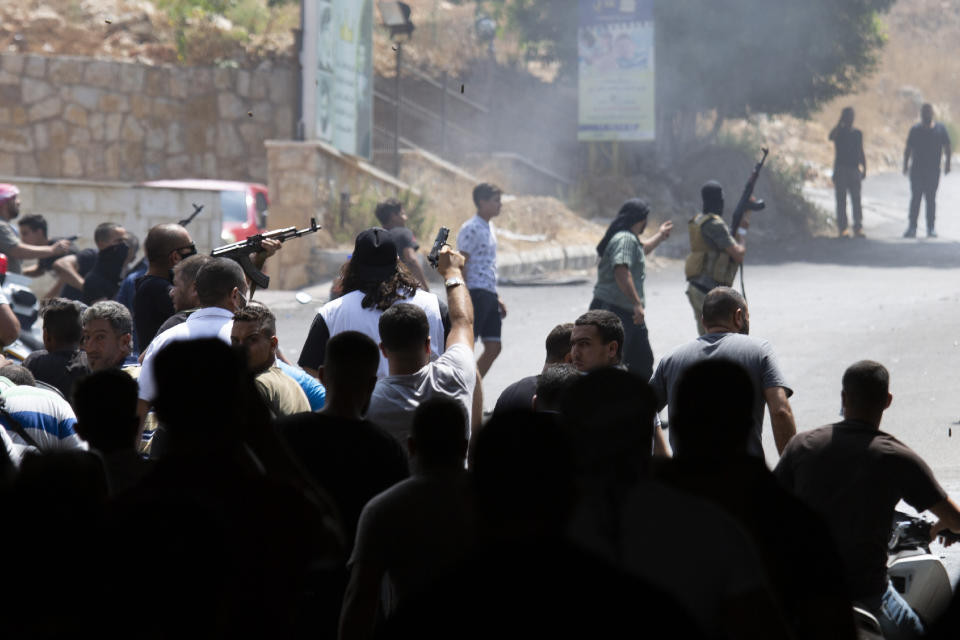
[244,204]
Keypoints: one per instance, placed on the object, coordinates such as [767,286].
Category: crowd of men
[196,482]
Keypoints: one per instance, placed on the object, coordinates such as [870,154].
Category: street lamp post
[396,17]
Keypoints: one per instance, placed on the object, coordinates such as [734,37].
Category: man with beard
[727,323]
[10,243]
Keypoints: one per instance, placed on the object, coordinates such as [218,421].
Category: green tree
[727,58]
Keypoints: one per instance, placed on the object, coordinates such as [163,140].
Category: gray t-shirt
[756,356]
[395,398]
[626,249]
[8,240]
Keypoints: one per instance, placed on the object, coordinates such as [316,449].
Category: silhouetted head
[404,331]
[350,364]
[523,471]
[714,410]
[552,385]
[725,309]
[596,340]
[439,435]
[106,406]
[866,391]
[712,195]
[610,415]
[62,328]
[558,343]
[926,114]
[847,116]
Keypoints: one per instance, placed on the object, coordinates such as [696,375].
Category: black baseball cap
[374,255]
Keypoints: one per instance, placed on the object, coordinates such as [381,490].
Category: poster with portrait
[338,74]
[616,70]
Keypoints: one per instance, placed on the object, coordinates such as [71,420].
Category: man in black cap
[372,284]
[715,255]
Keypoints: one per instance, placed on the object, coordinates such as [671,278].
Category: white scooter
[918,575]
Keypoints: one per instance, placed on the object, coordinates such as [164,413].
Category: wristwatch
[453,282]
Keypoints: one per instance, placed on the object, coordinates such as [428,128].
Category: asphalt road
[823,304]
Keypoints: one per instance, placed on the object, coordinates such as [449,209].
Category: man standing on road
[715,255]
[477,241]
[10,243]
[853,474]
[849,168]
[391,215]
[727,323]
[926,142]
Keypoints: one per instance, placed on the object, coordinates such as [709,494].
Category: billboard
[337,62]
[616,70]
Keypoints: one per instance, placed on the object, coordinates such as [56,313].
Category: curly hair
[382,294]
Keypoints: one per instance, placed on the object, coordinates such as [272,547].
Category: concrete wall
[73,117]
[306,180]
[74,207]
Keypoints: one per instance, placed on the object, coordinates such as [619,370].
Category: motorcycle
[26,307]
[918,575]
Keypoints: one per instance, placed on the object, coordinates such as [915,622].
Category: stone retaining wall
[72,117]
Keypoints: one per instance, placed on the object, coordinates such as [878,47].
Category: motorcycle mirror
[303,297]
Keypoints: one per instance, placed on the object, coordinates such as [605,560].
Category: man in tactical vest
[715,255]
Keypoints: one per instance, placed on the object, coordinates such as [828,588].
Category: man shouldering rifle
[262,245]
[715,252]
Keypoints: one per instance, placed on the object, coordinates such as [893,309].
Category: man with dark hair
[33,231]
[255,333]
[106,407]
[106,340]
[61,362]
[417,530]
[10,243]
[849,169]
[715,255]
[596,340]
[34,416]
[712,425]
[405,343]
[165,246]
[853,475]
[727,323]
[477,241]
[104,264]
[221,289]
[373,282]
[392,217]
[552,384]
[519,395]
[927,142]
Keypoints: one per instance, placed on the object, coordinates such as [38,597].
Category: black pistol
[434,256]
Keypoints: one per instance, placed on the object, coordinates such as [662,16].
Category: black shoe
[911,232]
[931,233]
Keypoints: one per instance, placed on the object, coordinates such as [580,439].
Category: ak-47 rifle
[197,208]
[240,251]
[747,202]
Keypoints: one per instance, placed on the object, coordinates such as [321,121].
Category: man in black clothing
[165,246]
[854,475]
[519,395]
[73,269]
[60,363]
[391,215]
[849,168]
[925,144]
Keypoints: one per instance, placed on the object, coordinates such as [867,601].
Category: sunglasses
[187,251]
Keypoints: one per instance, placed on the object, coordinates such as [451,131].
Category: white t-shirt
[478,239]
[209,322]
[346,314]
[395,398]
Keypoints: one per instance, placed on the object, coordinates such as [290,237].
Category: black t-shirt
[353,460]
[854,475]
[86,258]
[46,264]
[518,396]
[926,145]
[848,147]
[60,369]
[403,238]
[315,347]
[103,280]
[151,307]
